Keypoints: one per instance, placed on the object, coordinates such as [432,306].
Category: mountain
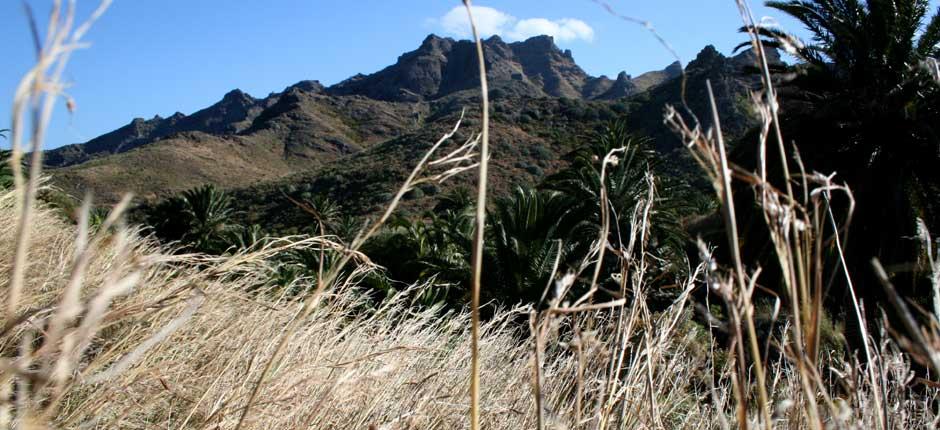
[534,67]
[732,79]
[529,138]
[298,129]
[232,114]
[353,140]
[652,79]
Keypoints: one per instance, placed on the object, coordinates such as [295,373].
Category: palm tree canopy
[874,43]
[527,235]
[200,218]
[864,106]
[628,184]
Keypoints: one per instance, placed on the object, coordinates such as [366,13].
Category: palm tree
[97,217]
[627,185]
[346,228]
[528,233]
[208,211]
[327,213]
[436,246]
[200,218]
[458,200]
[532,227]
[250,237]
[867,109]
[869,46]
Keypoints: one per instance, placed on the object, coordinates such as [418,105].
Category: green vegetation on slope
[531,228]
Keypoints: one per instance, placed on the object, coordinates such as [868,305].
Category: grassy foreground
[173,341]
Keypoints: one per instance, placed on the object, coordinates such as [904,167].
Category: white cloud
[566,29]
[491,22]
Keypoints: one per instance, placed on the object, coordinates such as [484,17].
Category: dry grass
[395,367]
[105,329]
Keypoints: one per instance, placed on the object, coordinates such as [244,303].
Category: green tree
[866,108]
[199,218]
[627,184]
[326,211]
[249,237]
[208,211]
[532,227]
[437,245]
[872,46]
[459,200]
[527,235]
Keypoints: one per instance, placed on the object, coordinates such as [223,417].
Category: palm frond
[928,45]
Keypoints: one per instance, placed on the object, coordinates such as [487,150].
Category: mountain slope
[731,81]
[298,131]
[230,115]
[523,150]
[543,102]
[184,159]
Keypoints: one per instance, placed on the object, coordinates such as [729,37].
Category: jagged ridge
[534,67]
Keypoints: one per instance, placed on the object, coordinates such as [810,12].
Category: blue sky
[154,57]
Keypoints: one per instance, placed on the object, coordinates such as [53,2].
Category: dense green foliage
[861,105]
[6,170]
[864,105]
[199,219]
[530,229]
[527,230]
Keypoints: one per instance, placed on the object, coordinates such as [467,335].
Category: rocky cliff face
[443,66]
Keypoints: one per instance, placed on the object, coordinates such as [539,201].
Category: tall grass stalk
[37,93]
[479,229]
[731,226]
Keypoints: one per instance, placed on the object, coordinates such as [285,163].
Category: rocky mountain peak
[434,42]
[494,40]
[674,69]
[534,67]
[237,97]
[310,86]
[707,58]
[442,66]
[543,43]
[747,59]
